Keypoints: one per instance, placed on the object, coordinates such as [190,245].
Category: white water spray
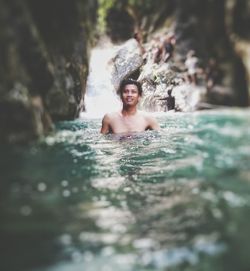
[100,95]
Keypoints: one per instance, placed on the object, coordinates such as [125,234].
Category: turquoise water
[174,200]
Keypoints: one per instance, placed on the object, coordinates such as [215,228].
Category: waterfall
[100,95]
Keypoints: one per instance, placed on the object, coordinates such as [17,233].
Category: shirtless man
[129,119]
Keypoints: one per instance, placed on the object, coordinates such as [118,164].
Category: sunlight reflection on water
[148,201]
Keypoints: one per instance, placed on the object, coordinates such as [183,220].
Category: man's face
[130,95]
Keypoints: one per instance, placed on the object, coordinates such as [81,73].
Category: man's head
[130,92]
[130,81]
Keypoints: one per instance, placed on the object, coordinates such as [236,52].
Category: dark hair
[130,81]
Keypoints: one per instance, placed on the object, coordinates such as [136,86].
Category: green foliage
[138,7]
[104,6]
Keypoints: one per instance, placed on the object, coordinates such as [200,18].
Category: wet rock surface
[127,60]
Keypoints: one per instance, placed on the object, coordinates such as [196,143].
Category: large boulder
[165,87]
[127,60]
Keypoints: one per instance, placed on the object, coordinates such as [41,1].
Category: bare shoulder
[107,123]
[110,116]
[147,116]
[151,121]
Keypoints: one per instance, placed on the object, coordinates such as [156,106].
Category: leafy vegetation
[137,8]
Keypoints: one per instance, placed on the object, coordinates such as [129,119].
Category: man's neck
[129,111]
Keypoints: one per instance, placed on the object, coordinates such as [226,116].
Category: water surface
[174,200]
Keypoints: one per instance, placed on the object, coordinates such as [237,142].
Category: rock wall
[214,29]
[44,63]
[202,26]
[237,23]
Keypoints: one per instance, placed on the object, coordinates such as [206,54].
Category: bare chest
[128,124]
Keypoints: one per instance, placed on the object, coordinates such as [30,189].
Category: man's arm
[105,125]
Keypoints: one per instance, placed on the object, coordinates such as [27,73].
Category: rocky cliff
[44,63]
[213,29]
